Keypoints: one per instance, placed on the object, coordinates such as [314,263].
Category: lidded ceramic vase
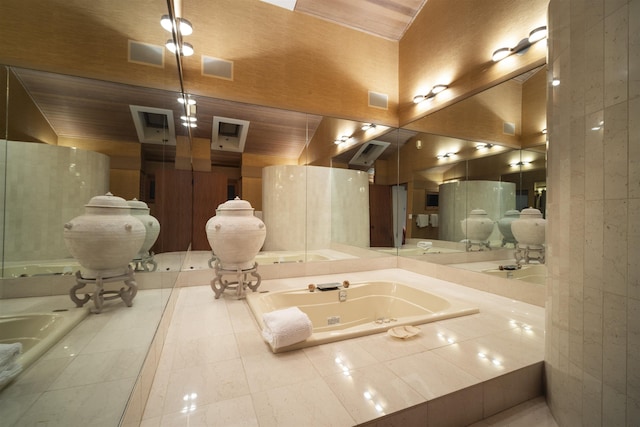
[235,234]
[504,225]
[105,238]
[477,227]
[140,210]
[529,229]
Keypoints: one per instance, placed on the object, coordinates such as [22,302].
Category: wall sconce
[366,126]
[483,146]
[183,28]
[535,35]
[342,140]
[514,164]
[445,155]
[433,92]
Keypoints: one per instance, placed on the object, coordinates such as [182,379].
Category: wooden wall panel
[124,183]
[25,121]
[380,216]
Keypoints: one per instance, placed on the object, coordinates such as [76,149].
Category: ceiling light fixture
[433,92]
[182,28]
[367,126]
[555,82]
[521,163]
[537,34]
[183,25]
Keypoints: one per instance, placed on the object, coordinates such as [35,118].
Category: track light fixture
[433,92]
[445,155]
[183,25]
[366,126]
[342,140]
[535,35]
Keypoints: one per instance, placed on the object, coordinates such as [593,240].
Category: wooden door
[172,208]
[209,191]
[380,216]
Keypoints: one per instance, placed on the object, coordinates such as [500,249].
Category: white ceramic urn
[140,210]
[105,238]
[477,227]
[529,229]
[504,225]
[235,234]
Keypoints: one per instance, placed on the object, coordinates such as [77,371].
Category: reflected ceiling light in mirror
[522,163]
[544,131]
[555,82]
[433,92]
[366,126]
[183,25]
[186,99]
[343,139]
[419,144]
[185,50]
[483,146]
[598,126]
[446,155]
[537,34]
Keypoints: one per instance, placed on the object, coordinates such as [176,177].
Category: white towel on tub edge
[286,327]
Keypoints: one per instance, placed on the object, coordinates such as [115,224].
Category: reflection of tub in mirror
[534,273]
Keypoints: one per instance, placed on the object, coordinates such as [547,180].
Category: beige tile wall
[593,294]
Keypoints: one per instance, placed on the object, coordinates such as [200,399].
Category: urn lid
[512,213]
[530,213]
[137,204]
[107,201]
[236,204]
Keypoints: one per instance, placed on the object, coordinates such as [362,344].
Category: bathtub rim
[458,308]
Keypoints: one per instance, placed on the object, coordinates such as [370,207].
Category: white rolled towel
[286,327]
[8,373]
[9,353]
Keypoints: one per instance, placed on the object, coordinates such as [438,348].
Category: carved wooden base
[145,263]
[528,253]
[99,295]
[219,285]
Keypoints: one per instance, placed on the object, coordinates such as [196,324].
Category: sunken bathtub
[364,308]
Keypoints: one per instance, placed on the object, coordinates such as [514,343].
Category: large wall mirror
[486,152]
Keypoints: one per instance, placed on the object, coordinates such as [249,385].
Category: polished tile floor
[215,369]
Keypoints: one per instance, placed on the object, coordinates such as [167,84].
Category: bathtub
[369,308]
[533,273]
[40,268]
[288,256]
[38,332]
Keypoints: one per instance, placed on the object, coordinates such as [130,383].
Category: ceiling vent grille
[378,100]
[145,53]
[229,134]
[368,153]
[216,67]
[154,125]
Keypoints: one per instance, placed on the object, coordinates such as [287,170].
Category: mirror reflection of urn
[504,225]
[477,228]
[529,231]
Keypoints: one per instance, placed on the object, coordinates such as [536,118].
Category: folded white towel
[286,327]
[9,373]
[9,353]
[425,245]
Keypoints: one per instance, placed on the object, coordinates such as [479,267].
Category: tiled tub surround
[484,363]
